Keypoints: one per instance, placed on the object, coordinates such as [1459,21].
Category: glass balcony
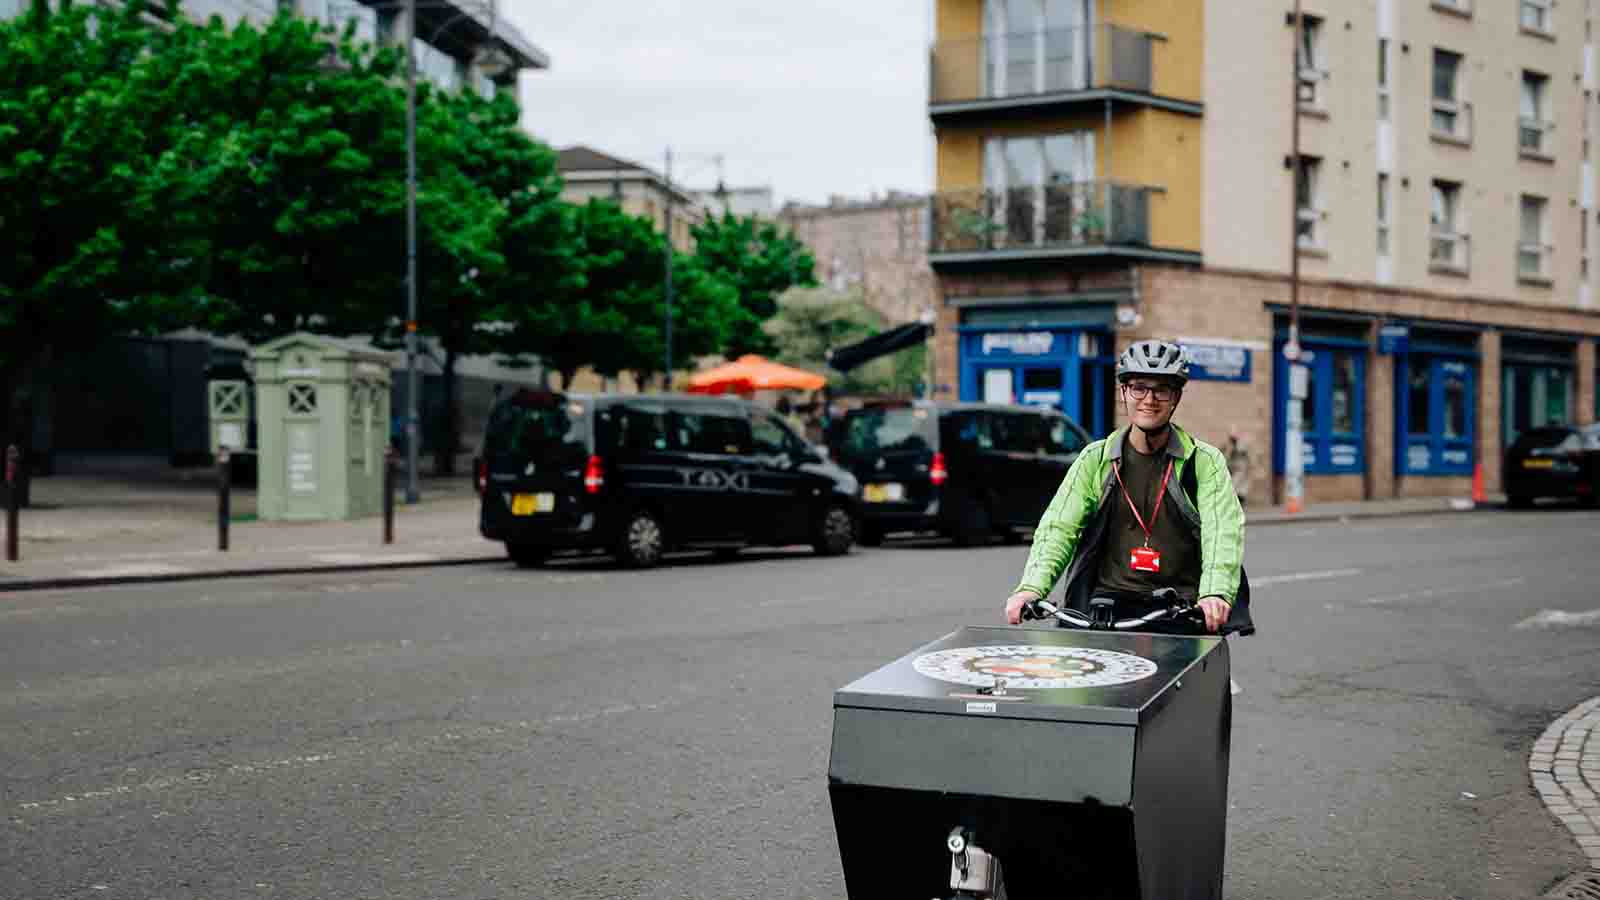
[1533,261]
[1452,121]
[1041,63]
[1067,216]
[1533,137]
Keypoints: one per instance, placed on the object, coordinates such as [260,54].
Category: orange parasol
[753,373]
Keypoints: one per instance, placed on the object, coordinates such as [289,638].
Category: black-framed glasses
[1163,393]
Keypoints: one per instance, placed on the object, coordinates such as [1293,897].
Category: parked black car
[1554,461]
[966,470]
[642,474]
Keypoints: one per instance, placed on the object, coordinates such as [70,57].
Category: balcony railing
[1452,121]
[1038,217]
[1043,62]
[1533,137]
[1449,252]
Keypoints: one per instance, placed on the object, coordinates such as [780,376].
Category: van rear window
[897,430]
[536,430]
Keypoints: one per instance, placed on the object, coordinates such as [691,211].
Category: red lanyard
[1159,497]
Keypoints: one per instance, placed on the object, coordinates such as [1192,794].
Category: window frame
[1309,66]
[1455,105]
[1310,214]
[1452,230]
[1532,130]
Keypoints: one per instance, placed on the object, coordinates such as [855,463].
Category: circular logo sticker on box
[1031,666]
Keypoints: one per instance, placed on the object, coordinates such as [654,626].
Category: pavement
[135,523]
[1565,764]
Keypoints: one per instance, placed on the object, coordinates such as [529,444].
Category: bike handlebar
[1178,611]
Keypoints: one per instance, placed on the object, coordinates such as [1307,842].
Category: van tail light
[938,474]
[480,477]
[594,475]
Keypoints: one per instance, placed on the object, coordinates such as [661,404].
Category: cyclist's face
[1150,402]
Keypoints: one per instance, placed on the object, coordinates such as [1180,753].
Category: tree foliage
[103,184]
[760,261]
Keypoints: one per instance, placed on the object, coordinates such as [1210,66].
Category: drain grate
[1582,886]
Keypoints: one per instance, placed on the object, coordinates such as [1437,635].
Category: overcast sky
[814,98]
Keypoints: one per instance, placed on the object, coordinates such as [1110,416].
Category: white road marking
[134,569]
[1304,576]
[1556,618]
[1428,593]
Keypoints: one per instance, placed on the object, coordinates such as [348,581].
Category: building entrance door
[998,386]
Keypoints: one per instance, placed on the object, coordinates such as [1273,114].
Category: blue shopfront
[1068,367]
[1436,376]
[1333,411]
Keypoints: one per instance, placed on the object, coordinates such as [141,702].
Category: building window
[1042,191]
[1383,79]
[1383,215]
[1312,73]
[1448,240]
[1536,15]
[1458,7]
[1534,124]
[1533,246]
[1452,117]
[1036,46]
[1533,396]
[1309,215]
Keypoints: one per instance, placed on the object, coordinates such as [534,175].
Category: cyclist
[1149,507]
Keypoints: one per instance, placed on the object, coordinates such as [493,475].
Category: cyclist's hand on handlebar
[1216,612]
[1014,605]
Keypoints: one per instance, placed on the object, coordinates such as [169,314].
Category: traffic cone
[1479,496]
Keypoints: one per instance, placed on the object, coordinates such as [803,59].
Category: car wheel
[1519,501]
[836,531]
[869,536]
[642,541]
[975,527]
[527,556]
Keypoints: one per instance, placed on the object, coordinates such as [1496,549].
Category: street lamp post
[413,377]
[1294,443]
[413,424]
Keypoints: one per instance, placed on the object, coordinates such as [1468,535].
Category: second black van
[641,474]
[966,470]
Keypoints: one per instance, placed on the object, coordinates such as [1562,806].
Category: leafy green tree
[760,261]
[704,310]
[307,215]
[810,322]
[104,182]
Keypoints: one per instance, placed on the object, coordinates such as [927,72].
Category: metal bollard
[224,497]
[388,495]
[13,501]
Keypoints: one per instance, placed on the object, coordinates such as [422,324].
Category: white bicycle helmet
[1153,358]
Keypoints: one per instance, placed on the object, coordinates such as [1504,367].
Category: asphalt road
[586,732]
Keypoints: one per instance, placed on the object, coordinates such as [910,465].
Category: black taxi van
[966,470]
[638,475]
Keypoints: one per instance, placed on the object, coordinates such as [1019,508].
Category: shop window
[1437,406]
[1535,395]
[1333,411]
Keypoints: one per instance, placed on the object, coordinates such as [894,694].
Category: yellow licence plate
[884,493]
[1538,464]
[528,504]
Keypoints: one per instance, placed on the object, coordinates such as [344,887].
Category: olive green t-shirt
[1169,535]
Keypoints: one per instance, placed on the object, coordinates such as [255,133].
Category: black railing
[1066,215]
[1045,61]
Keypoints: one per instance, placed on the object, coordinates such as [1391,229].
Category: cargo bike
[1085,761]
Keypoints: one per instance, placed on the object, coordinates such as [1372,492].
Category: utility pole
[667,285]
[413,420]
[1294,442]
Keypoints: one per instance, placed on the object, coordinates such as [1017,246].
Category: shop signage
[1211,362]
[1394,339]
[1344,455]
[1042,398]
[1022,343]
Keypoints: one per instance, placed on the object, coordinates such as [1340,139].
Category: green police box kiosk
[322,420]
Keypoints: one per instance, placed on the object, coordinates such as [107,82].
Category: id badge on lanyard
[1145,559]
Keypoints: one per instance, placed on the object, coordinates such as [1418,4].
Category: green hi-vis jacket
[1071,535]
